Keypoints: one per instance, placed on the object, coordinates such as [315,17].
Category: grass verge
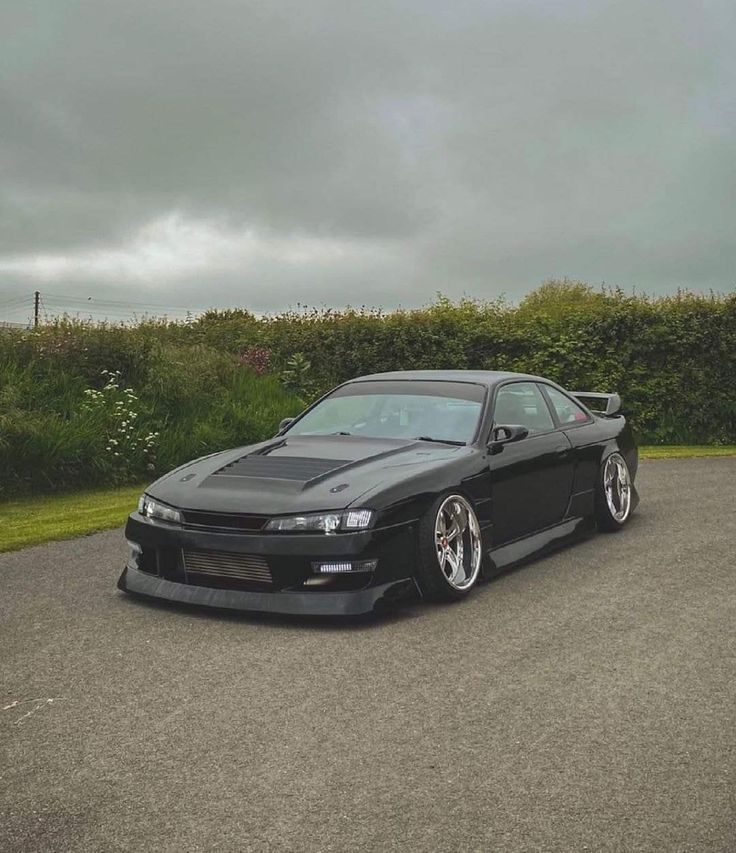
[31,521]
[683,451]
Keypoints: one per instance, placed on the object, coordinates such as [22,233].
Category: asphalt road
[584,702]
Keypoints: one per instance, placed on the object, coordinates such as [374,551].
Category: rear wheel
[450,549]
[613,495]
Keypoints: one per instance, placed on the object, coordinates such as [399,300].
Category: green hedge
[673,360]
[195,387]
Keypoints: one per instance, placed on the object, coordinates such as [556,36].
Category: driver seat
[510,410]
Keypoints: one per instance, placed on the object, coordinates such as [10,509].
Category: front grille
[224,520]
[226,565]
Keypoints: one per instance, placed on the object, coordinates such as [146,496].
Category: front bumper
[351,603]
[160,571]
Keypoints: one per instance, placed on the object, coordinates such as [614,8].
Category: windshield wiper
[340,432]
[438,440]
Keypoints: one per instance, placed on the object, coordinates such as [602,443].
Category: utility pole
[36,300]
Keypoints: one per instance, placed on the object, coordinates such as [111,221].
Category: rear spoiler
[607,404]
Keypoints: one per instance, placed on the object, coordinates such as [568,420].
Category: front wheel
[450,549]
[613,495]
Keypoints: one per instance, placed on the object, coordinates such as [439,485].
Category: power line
[96,306]
[126,303]
[16,313]
[56,304]
[93,301]
[25,300]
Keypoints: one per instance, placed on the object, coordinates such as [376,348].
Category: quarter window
[522,404]
[568,411]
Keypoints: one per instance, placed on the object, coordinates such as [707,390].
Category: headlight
[323,522]
[150,508]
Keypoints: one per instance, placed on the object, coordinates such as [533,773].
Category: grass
[683,451]
[31,521]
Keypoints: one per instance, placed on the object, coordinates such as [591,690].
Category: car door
[531,479]
[583,433]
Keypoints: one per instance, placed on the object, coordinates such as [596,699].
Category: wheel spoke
[460,516]
[451,561]
[453,532]
[443,562]
[460,575]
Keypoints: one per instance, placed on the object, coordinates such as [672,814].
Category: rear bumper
[353,603]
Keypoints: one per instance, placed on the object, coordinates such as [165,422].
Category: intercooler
[227,565]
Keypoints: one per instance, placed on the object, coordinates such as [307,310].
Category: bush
[73,413]
[227,378]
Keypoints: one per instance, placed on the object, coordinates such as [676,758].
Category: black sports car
[392,486]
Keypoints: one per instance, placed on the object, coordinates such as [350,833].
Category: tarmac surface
[586,701]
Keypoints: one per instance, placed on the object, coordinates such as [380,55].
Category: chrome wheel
[458,542]
[617,487]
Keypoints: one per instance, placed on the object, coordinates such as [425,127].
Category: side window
[568,411]
[522,404]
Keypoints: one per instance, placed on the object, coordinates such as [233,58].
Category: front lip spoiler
[353,603]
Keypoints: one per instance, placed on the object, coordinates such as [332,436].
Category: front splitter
[352,603]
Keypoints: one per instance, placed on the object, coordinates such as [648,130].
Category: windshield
[442,411]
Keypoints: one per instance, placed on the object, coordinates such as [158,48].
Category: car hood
[298,474]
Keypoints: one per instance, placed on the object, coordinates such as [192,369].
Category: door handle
[562,450]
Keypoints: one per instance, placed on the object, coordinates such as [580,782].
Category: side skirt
[512,553]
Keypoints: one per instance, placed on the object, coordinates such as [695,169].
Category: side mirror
[505,434]
[285,423]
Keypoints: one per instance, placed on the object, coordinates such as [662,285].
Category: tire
[614,494]
[449,565]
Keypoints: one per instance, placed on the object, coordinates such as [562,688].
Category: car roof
[482,377]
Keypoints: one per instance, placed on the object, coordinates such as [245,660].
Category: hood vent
[301,468]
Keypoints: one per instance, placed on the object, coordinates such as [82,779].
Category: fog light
[335,568]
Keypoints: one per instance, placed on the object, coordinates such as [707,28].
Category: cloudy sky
[271,152]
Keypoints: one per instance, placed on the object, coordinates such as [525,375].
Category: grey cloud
[483,145]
